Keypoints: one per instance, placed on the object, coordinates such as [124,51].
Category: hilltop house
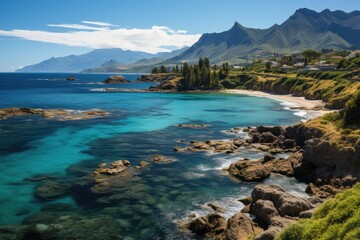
[322,66]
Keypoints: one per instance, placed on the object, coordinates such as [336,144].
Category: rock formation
[118,79]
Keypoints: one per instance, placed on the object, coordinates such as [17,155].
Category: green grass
[337,218]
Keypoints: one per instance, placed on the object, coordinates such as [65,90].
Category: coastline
[312,108]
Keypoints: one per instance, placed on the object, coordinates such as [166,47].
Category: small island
[118,79]
[71,78]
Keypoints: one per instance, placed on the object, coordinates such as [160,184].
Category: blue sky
[32,31]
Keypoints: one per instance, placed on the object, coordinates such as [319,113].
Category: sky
[34,30]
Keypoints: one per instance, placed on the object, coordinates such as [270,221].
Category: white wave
[238,132]
[290,184]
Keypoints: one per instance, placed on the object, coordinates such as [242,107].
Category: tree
[155,70]
[207,63]
[201,63]
[163,69]
[268,65]
[311,54]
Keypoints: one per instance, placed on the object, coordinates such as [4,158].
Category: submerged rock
[51,189]
[53,114]
[193,125]
[158,158]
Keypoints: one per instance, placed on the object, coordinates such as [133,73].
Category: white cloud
[152,40]
[101,24]
[76,26]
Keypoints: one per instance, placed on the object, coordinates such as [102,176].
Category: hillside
[337,218]
[305,29]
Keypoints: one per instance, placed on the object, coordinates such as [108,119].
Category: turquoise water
[139,126]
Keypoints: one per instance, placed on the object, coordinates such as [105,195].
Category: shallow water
[139,126]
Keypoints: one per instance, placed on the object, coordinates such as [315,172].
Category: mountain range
[96,59]
[305,29]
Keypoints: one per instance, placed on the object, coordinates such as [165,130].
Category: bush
[337,218]
[352,111]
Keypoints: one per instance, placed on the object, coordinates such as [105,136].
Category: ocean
[140,125]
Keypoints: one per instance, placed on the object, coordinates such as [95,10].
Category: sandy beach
[313,108]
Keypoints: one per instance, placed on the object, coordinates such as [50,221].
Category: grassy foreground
[337,218]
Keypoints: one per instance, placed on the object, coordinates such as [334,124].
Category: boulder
[247,170]
[200,226]
[307,213]
[116,80]
[288,143]
[264,210]
[240,227]
[277,131]
[284,202]
[268,157]
[113,169]
[267,137]
[281,166]
[246,200]
[158,158]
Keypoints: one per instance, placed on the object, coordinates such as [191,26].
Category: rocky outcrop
[107,177]
[167,86]
[157,77]
[277,208]
[158,158]
[285,203]
[194,126]
[114,168]
[52,114]
[238,227]
[71,78]
[247,170]
[118,79]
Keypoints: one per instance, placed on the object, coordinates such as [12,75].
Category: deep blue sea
[139,125]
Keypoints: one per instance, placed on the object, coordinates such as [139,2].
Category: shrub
[337,218]
[352,111]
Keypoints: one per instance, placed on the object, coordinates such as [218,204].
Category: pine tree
[206,63]
[201,63]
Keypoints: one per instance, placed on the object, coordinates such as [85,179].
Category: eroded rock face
[118,79]
[247,170]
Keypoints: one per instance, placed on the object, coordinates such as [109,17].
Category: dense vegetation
[337,218]
[352,112]
[197,76]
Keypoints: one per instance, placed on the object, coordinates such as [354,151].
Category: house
[310,68]
[299,65]
[274,64]
[298,59]
[325,67]
[286,68]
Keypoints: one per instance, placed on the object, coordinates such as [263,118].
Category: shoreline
[312,108]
